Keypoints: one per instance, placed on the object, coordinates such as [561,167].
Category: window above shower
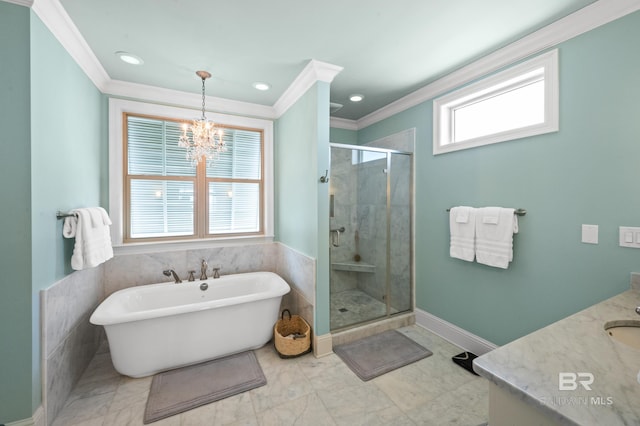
[518,102]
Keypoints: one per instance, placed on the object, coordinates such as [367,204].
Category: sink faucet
[170,272]
[203,270]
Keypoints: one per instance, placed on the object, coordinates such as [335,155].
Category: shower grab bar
[519,212]
[336,241]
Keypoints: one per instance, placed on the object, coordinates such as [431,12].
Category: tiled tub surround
[298,270]
[524,374]
[69,341]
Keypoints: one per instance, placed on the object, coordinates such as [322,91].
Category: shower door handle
[336,241]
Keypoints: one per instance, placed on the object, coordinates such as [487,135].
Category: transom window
[166,197]
[518,102]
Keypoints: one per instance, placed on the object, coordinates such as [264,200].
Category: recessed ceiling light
[260,85]
[129,58]
[356,97]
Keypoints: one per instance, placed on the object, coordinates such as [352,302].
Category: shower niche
[370,209]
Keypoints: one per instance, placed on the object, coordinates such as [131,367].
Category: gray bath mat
[375,355]
[176,391]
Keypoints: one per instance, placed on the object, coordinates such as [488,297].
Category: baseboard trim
[322,345]
[454,334]
[36,420]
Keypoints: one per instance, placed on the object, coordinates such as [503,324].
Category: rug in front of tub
[176,391]
[378,354]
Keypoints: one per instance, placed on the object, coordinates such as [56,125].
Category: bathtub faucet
[170,272]
[203,270]
[216,272]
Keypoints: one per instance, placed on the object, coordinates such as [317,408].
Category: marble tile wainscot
[68,341]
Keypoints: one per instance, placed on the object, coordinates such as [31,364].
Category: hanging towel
[495,227]
[462,225]
[90,227]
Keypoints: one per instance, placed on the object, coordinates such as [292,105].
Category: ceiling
[388,49]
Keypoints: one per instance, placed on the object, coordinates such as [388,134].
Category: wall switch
[629,236]
[590,234]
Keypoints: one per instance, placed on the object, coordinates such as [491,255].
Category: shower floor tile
[302,391]
[355,306]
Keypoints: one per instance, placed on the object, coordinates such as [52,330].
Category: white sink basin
[624,331]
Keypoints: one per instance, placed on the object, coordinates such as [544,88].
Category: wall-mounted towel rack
[519,212]
[61,215]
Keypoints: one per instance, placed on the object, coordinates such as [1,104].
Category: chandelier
[206,140]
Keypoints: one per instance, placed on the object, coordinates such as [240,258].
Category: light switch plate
[590,234]
[628,236]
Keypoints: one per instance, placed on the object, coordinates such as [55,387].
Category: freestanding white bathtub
[158,327]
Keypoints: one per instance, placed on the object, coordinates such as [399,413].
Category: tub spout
[170,272]
[203,270]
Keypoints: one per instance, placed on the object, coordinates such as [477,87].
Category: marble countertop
[529,368]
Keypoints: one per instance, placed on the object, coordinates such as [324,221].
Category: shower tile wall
[372,225]
[344,189]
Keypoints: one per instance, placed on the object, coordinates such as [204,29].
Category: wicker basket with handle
[292,335]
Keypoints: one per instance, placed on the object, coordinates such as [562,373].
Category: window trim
[117,110]
[444,106]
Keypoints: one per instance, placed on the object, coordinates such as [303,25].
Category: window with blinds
[167,198]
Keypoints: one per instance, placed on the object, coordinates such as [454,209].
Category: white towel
[495,227]
[462,225]
[90,227]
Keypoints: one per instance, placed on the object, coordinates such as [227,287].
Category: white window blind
[168,198]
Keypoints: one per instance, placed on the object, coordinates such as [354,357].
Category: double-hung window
[518,102]
[164,197]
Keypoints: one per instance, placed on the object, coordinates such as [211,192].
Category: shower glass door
[370,234]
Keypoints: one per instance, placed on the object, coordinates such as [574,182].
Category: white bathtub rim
[104,317]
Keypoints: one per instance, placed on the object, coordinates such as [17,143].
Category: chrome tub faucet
[203,270]
[170,272]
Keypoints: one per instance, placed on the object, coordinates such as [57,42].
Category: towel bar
[519,212]
[61,215]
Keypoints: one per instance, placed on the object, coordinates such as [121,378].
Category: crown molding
[586,19]
[62,27]
[124,89]
[313,72]
[27,3]
[343,123]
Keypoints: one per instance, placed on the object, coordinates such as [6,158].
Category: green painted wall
[296,163]
[15,215]
[69,158]
[587,173]
[301,201]
[343,136]
[55,156]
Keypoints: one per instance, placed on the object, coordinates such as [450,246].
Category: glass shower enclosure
[370,208]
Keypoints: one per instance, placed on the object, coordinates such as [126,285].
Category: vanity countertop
[529,368]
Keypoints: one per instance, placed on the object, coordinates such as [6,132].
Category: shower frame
[388,170]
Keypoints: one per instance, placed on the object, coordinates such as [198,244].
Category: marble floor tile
[305,391]
[307,410]
[237,409]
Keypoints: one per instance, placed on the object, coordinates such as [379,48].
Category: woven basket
[292,336]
